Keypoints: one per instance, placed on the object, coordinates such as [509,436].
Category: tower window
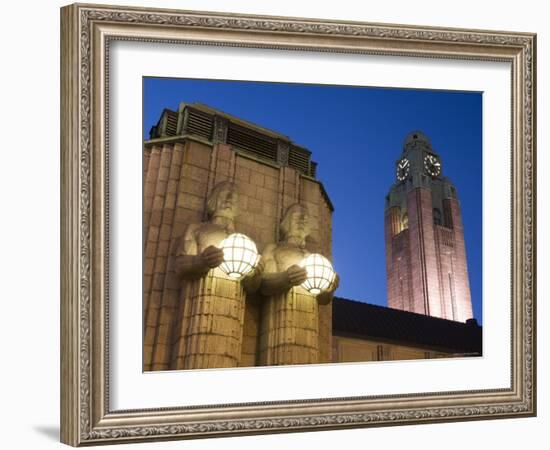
[448,215]
[437,217]
[404,221]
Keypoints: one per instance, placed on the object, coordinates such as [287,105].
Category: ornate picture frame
[87,32]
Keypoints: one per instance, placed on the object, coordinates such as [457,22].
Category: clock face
[432,165]
[403,168]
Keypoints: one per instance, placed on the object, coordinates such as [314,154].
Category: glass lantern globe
[320,274]
[240,255]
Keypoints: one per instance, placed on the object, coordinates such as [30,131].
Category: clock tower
[426,265]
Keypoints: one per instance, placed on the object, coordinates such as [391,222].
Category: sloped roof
[363,320]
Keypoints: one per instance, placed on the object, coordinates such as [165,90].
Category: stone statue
[211,328]
[290,314]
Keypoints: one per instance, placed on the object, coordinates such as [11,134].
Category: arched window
[437,217]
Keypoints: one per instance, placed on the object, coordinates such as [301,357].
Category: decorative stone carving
[212,310]
[220,130]
[290,315]
[283,150]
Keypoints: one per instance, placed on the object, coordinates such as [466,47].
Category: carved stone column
[290,333]
[212,323]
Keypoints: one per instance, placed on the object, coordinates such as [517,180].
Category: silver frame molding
[86,32]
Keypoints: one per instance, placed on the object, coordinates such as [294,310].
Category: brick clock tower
[426,266]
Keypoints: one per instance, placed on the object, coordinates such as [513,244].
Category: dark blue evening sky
[355,134]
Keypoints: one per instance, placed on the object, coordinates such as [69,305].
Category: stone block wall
[426,264]
[461,290]
[351,349]
[177,179]
[424,270]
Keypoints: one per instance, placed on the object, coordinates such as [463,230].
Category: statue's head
[296,222]
[223,201]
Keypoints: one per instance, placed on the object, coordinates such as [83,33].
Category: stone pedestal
[289,329]
[212,318]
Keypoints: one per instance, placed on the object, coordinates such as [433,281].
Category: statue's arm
[190,264]
[251,282]
[276,282]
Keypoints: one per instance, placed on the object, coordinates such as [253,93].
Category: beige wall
[347,349]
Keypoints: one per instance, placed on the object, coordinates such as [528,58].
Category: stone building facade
[189,152]
[426,264]
[195,155]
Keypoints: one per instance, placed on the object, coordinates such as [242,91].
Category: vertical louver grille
[166,126]
[171,122]
[252,142]
[200,124]
[447,214]
[313,169]
[299,159]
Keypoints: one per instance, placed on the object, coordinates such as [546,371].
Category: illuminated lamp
[240,255]
[320,274]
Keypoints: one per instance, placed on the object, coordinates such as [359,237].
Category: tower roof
[417,140]
[417,136]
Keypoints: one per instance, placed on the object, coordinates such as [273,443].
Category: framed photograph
[278,224]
